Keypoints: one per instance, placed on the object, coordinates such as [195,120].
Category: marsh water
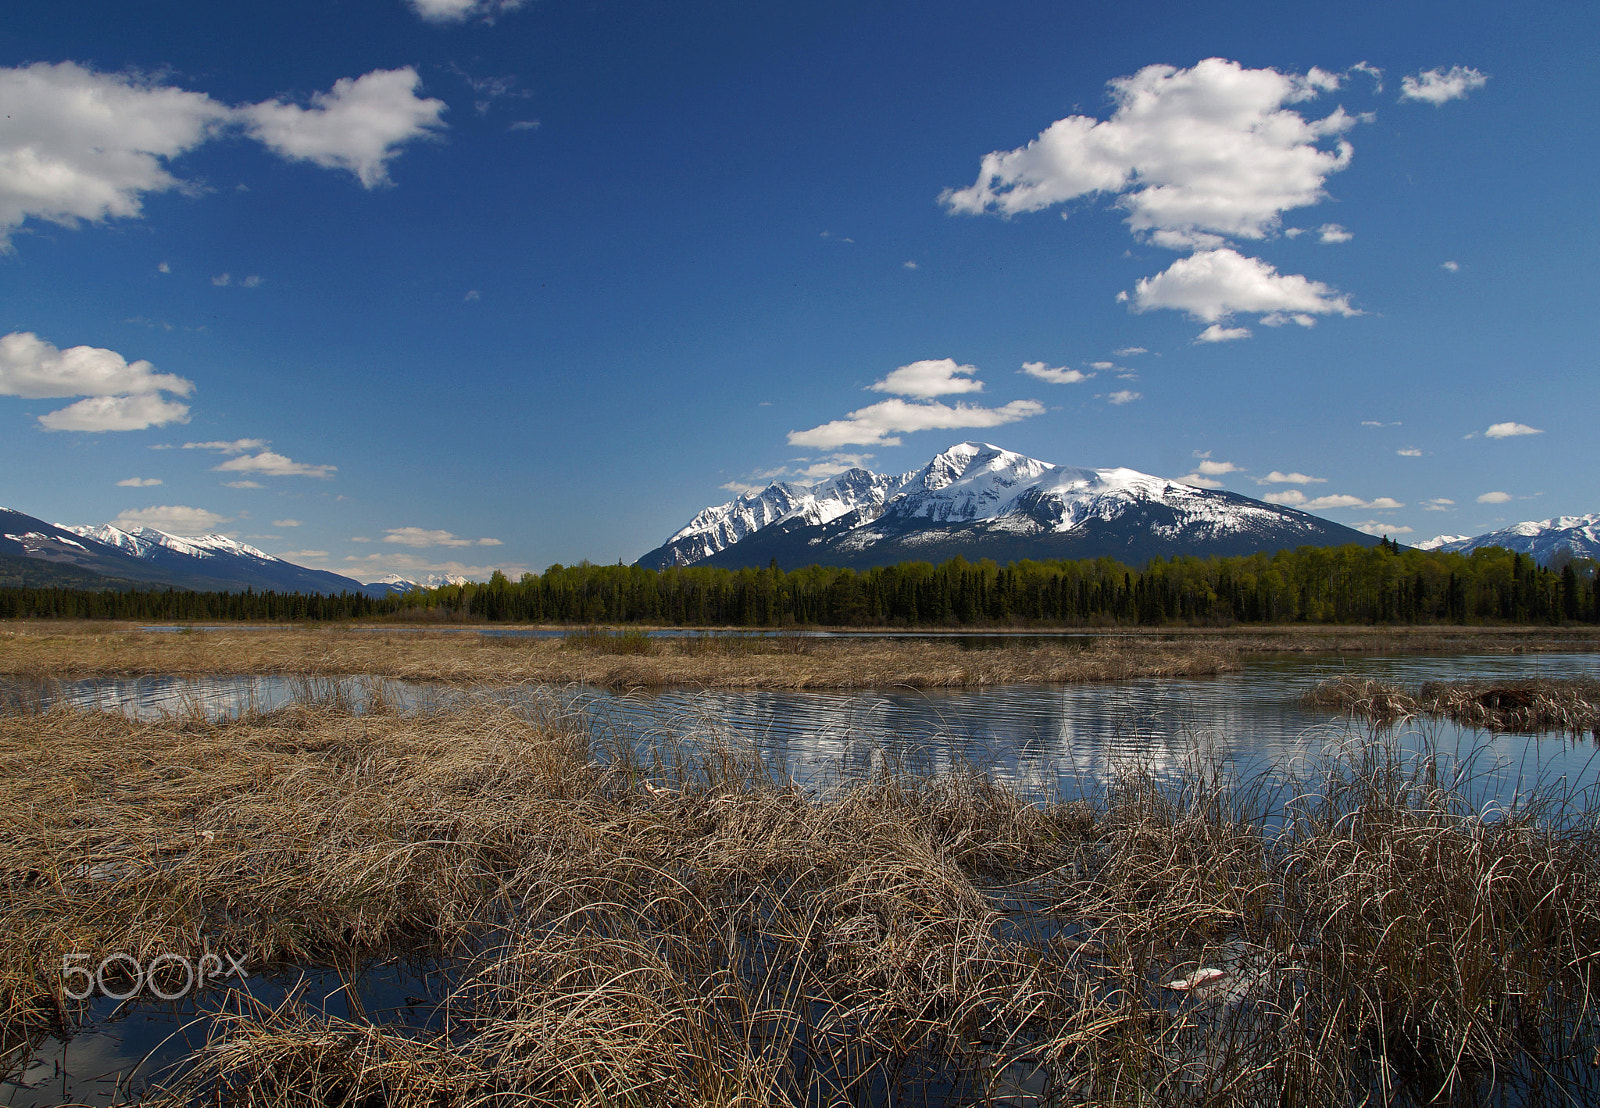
[1042,738]
[1051,740]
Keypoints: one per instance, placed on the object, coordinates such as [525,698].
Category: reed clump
[603,658]
[684,926]
[1531,704]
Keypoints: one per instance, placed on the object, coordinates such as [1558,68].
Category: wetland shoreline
[628,658]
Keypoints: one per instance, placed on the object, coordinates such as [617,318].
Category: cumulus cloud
[31,367]
[1409,452]
[120,395]
[271,464]
[1216,469]
[235,446]
[1212,285]
[1189,154]
[1450,267]
[172,518]
[286,523]
[359,126]
[1218,333]
[420,537]
[243,485]
[928,378]
[1438,504]
[80,145]
[1200,481]
[1379,527]
[1279,478]
[1124,396]
[1056,375]
[1494,498]
[878,424]
[1438,86]
[139,482]
[1130,351]
[1294,498]
[1333,233]
[457,11]
[1509,430]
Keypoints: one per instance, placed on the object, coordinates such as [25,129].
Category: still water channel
[1058,740]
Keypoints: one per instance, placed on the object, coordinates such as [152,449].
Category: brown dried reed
[680,927]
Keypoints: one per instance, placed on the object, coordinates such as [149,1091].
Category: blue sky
[422,285]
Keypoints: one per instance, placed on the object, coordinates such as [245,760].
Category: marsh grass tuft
[685,926]
[1534,704]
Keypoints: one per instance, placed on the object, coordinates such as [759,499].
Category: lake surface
[1048,738]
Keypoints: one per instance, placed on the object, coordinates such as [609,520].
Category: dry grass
[689,930]
[613,660]
[1534,704]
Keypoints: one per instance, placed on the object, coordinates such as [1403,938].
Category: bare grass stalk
[690,928]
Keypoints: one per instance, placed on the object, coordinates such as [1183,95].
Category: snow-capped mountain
[393,582]
[1542,539]
[147,556]
[980,501]
[782,505]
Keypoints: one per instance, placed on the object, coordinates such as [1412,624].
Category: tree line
[1348,584]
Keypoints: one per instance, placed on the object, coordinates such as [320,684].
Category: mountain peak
[980,500]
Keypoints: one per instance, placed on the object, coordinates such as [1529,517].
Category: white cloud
[1452,267]
[139,483]
[1130,351]
[524,125]
[163,268]
[1056,375]
[1213,284]
[410,565]
[273,465]
[472,294]
[244,484]
[1379,527]
[1438,504]
[928,378]
[80,145]
[877,424]
[31,367]
[1294,498]
[172,518]
[236,446]
[1508,430]
[1333,233]
[1201,482]
[1277,478]
[1216,469]
[1211,149]
[286,523]
[1218,333]
[1409,452]
[360,125]
[1438,86]
[417,536]
[1124,396]
[309,555]
[116,413]
[1494,498]
[1371,71]
[456,11]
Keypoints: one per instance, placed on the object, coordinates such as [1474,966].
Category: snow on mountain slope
[983,501]
[781,503]
[143,542]
[1541,539]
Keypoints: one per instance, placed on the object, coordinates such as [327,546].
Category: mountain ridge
[977,500]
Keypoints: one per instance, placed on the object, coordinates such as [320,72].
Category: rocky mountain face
[1542,540]
[980,501]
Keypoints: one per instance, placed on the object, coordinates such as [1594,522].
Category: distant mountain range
[979,501]
[1542,540]
[36,553]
